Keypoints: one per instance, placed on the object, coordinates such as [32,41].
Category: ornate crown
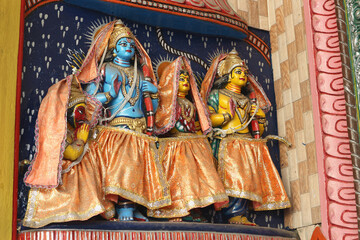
[230,62]
[120,31]
[76,94]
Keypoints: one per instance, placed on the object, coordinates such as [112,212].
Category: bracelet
[108,97]
[261,120]
[154,95]
[227,118]
[126,204]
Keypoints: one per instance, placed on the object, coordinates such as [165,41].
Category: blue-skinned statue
[123,85]
[108,160]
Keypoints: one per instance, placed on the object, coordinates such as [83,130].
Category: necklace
[122,63]
[132,100]
[233,88]
[128,73]
[240,101]
[239,98]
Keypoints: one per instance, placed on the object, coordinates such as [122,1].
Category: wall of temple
[9,40]
[285,21]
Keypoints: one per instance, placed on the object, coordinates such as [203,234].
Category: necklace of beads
[128,73]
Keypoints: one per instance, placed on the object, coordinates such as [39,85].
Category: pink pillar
[337,195]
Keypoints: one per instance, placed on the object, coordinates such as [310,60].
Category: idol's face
[77,115]
[125,48]
[184,85]
[239,76]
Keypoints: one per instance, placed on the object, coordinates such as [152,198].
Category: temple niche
[271,38]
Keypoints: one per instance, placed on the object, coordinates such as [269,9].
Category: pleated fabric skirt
[247,171]
[133,169]
[191,174]
[79,197]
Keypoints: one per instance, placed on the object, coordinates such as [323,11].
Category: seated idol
[182,123]
[244,162]
[65,179]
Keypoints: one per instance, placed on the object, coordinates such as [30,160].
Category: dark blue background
[54,28]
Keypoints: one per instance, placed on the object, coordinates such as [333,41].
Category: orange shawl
[50,134]
[168,90]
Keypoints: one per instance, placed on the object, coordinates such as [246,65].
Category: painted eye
[80,110]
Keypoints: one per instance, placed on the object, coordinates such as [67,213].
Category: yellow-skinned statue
[243,161]
[63,171]
[182,123]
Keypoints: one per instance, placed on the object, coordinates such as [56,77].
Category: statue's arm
[260,117]
[152,89]
[110,89]
[221,109]
[74,150]
[91,88]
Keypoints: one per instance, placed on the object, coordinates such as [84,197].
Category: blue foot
[138,216]
[125,212]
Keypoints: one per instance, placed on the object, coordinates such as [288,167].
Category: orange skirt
[247,171]
[191,174]
[80,196]
[133,170]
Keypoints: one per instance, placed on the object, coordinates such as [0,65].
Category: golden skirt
[133,170]
[247,171]
[79,197]
[191,174]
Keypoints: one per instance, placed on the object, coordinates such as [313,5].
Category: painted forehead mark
[182,75]
[124,40]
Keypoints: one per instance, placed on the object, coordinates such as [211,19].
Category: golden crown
[76,94]
[230,62]
[120,31]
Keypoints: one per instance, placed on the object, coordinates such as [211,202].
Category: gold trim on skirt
[247,171]
[191,174]
[79,197]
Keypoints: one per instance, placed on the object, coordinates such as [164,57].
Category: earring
[114,54]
